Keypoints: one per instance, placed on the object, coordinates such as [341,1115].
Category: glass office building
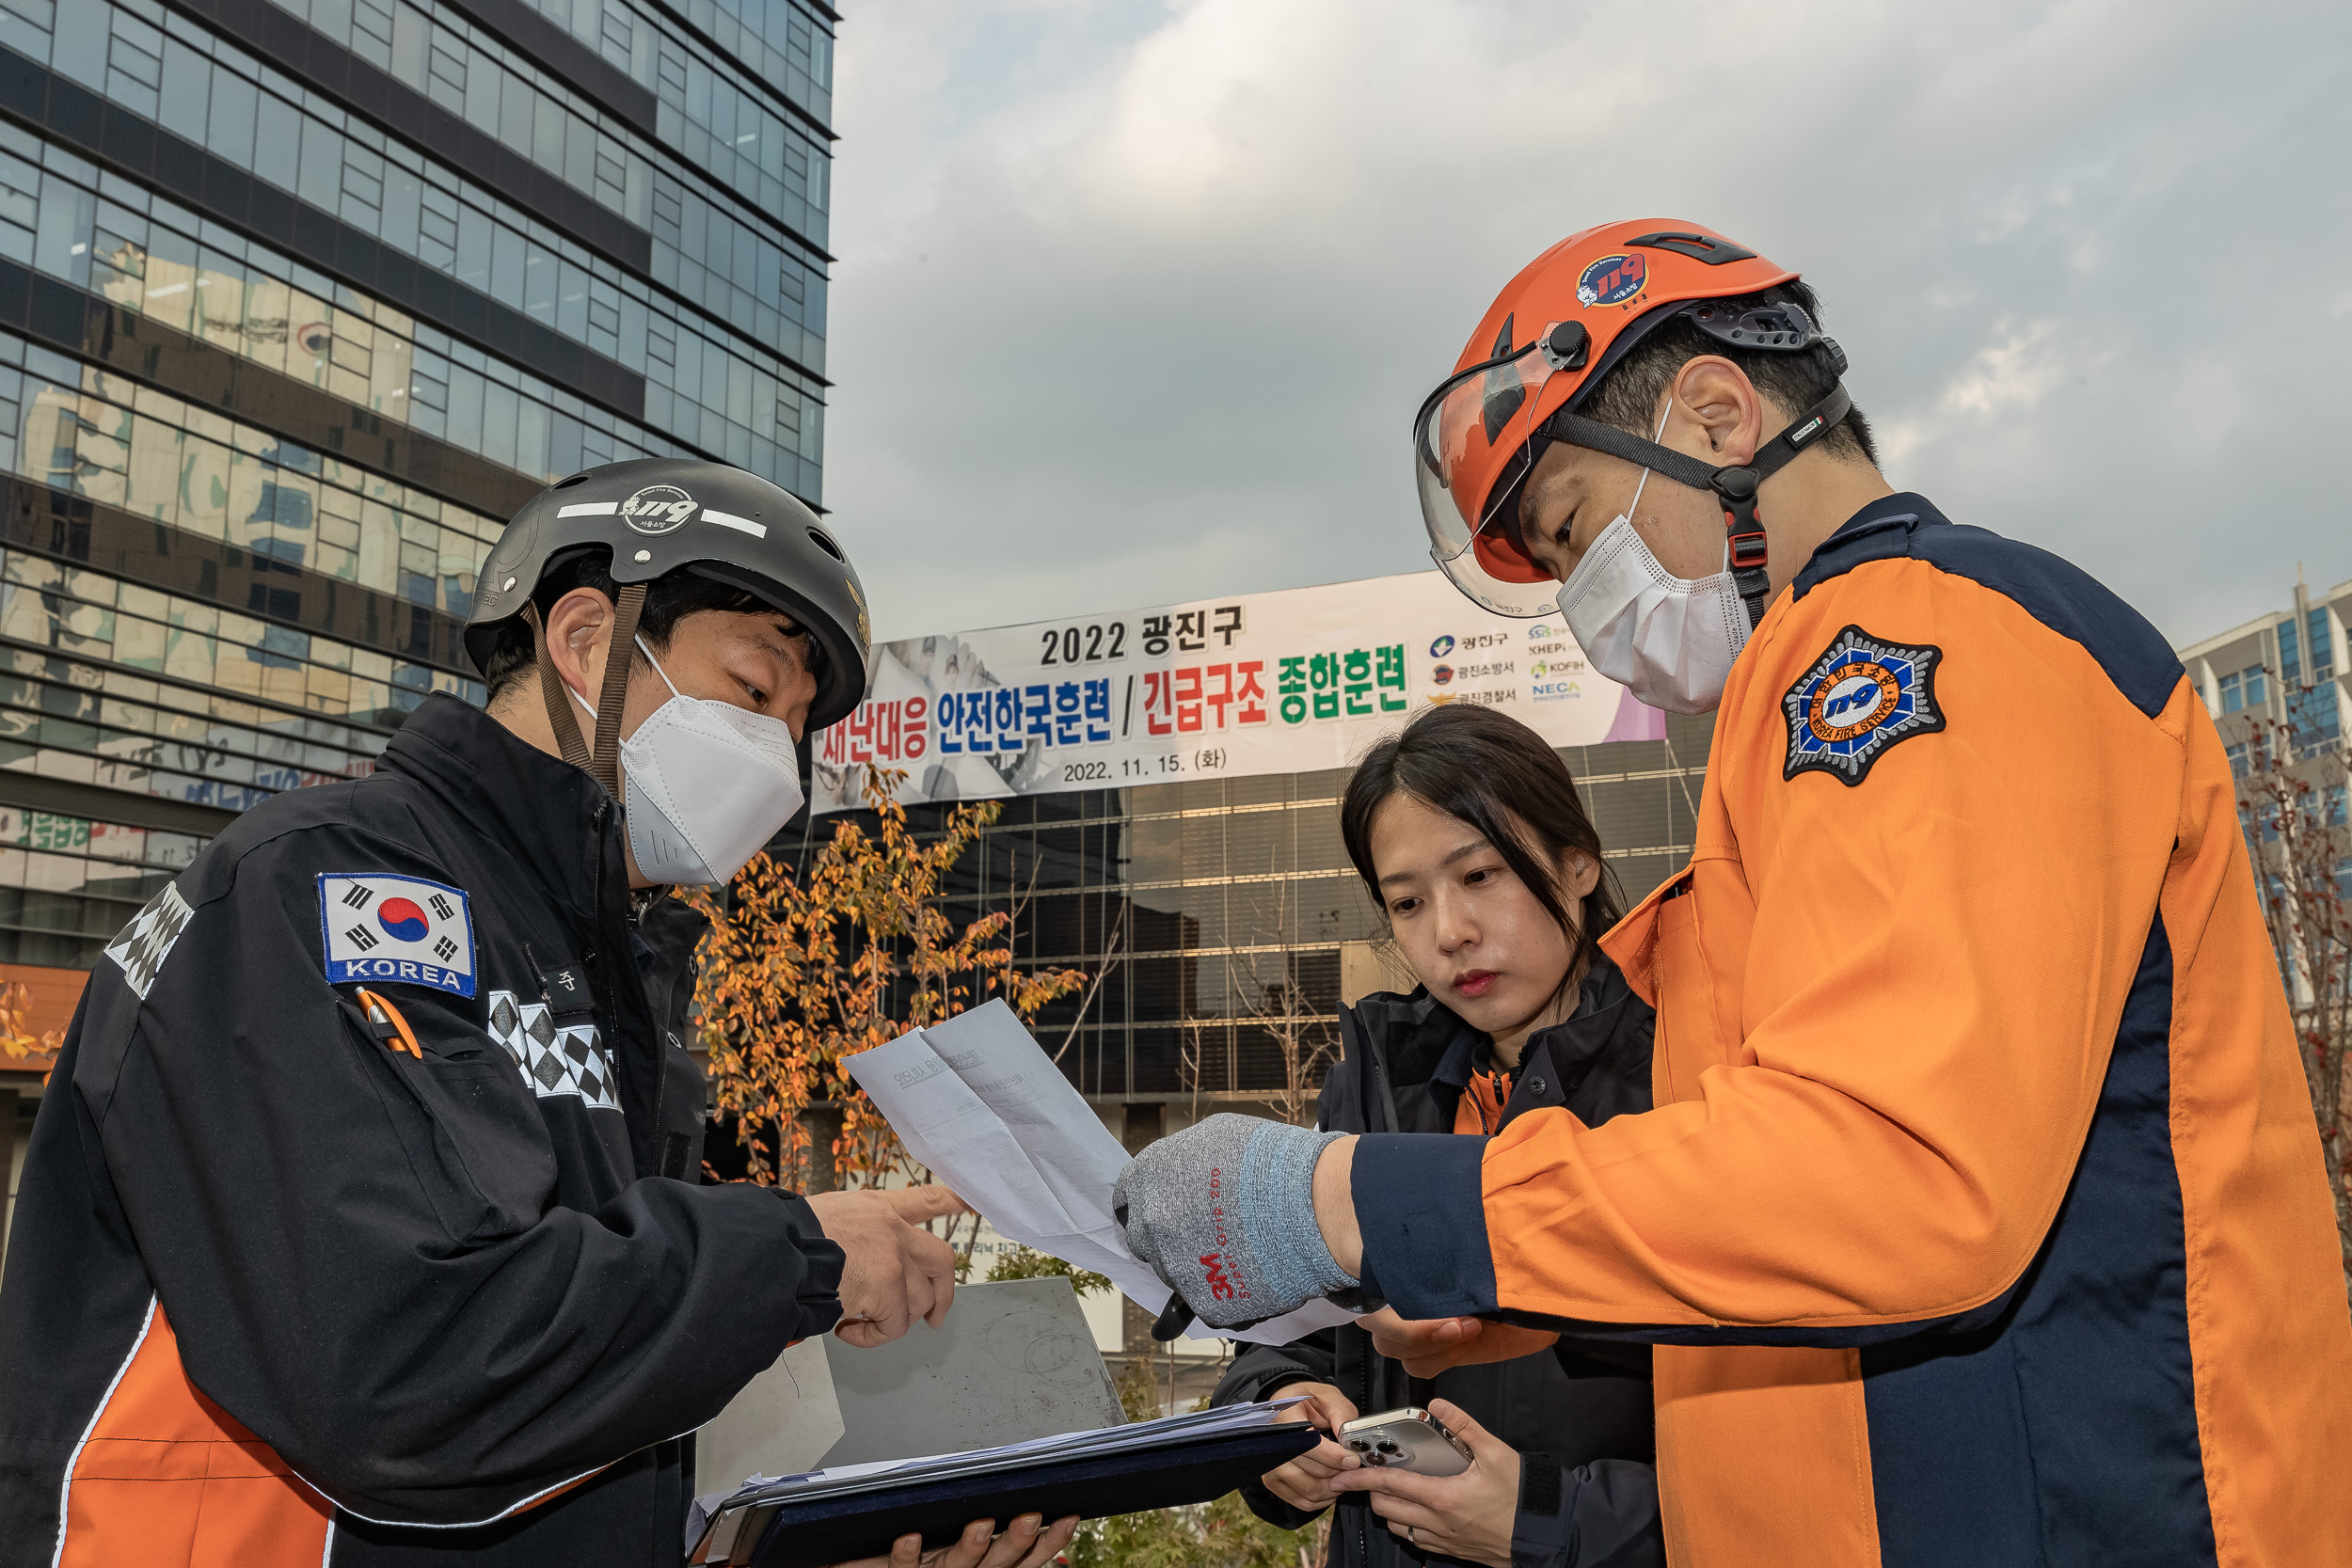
[2280,690]
[299,300]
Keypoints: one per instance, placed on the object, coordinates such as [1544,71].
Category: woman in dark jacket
[1468,831]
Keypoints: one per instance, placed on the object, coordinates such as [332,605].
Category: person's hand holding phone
[1469,1516]
[1305,1482]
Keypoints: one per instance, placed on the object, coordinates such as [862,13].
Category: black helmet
[660,513]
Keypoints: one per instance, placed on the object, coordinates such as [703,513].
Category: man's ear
[579,634]
[1716,411]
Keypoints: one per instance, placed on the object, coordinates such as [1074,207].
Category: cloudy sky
[1135,298]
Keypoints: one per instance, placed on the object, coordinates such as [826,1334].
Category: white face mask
[1671,641]
[708,786]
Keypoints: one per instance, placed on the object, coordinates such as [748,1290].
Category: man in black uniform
[362,1224]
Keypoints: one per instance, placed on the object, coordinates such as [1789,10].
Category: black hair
[669,599]
[1627,397]
[1493,772]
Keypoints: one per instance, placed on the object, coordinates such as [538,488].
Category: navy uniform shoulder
[2055,592]
[317,815]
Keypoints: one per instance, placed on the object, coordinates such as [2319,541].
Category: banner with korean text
[1286,682]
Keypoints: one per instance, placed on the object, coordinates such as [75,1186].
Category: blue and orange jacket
[1982,1219]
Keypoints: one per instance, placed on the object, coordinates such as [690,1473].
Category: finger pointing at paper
[915,1205]
[893,1271]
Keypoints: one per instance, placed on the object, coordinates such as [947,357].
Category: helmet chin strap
[1735,485]
[603,760]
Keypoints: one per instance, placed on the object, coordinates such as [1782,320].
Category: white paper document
[977,1101]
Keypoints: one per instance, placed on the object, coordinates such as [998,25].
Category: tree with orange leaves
[799,973]
[17,1040]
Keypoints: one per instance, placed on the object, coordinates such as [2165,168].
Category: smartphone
[1408,1439]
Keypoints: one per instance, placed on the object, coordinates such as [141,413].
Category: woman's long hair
[1502,778]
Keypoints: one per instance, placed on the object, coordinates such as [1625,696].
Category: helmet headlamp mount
[1567,346]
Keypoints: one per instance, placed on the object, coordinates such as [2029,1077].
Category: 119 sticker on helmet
[386,929]
[658,509]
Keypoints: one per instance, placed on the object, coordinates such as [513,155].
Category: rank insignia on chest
[381,928]
[1859,697]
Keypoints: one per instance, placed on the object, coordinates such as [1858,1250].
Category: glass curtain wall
[301,302]
[704,385]
[81,430]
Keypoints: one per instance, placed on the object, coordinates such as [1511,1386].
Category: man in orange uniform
[1981,1220]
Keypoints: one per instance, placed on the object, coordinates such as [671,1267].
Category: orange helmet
[1549,338]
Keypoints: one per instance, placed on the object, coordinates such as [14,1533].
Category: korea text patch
[400,930]
[1861,696]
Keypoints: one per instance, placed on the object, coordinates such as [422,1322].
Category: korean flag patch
[1861,696]
[396,930]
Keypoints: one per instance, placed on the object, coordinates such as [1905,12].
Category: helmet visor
[1471,457]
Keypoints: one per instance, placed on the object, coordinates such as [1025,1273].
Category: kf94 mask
[1670,640]
[707,785]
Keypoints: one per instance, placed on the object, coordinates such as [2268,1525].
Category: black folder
[777,1528]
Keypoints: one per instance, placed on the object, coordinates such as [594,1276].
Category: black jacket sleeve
[1260,1369]
[1599,1516]
[362,1252]
[1255,1374]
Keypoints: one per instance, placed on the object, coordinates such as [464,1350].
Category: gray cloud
[1136,300]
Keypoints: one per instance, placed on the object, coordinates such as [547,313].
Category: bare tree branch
[2292,804]
[1306,1041]
[1114,955]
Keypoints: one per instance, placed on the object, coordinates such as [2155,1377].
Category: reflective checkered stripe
[141,947]
[555,1059]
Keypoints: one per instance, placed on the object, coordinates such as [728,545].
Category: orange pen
[386,1020]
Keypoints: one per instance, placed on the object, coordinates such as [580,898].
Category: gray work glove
[1225,1212]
